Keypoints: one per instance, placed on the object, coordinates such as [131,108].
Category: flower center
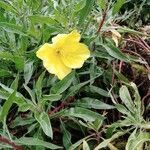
[58,52]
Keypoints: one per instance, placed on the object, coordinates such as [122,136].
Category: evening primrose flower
[64,54]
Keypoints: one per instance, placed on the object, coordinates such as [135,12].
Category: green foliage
[117,6]
[92,107]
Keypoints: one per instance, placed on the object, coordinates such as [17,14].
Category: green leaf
[2,146]
[38,85]
[36,142]
[94,70]
[6,56]
[74,89]
[6,106]
[19,121]
[6,88]
[136,139]
[42,19]
[51,98]
[95,89]
[4,94]
[31,93]
[44,121]
[121,77]
[126,98]
[19,62]
[88,102]
[107,141]
[79,5]
[66,136]
[102,4]
[5,73]
[117,6]
[62,85]
[136,95]
[128,30]
[83,113]
[12,28]
[25,107]
[122,109]
[115,52]
[7,7]
[102,54]
[28,71]
[75,145]
[14,84]
[10,91]
[85,145]
[85,11]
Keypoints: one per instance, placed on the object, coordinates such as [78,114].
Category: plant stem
[7,141]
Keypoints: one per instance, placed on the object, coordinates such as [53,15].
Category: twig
[139,43]
[7,141]
[102,21]
[146,96]
[143,41]
[131,52]
[62,105]
[120,66]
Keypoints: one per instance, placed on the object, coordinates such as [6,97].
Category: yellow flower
[64,54]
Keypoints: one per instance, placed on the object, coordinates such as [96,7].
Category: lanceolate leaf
[117,6]
[86,10]
[12,28]
[115,52]
[83,113]
[44,121]
[102,4]
[42,19]
[7,105]
[6,56]
[85,145]
[62,85]
[38,86]
[99,91]
[66,136]
[80,5]
[126,98]
[28,70]
[75,145]
[74,89]
[107,141]
[136,139]
[36,142]
[92,103]
[7,7]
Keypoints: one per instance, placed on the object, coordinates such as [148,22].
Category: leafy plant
[102,105]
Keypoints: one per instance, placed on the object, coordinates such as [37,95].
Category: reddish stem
[144,43]
[120,66]
[102,21]
[139,43]
[62,105]
[7,141]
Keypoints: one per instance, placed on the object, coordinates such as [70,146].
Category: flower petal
[73,55]
[56,66]
[45,51]
[52,61]
[74,36]
[61,39]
